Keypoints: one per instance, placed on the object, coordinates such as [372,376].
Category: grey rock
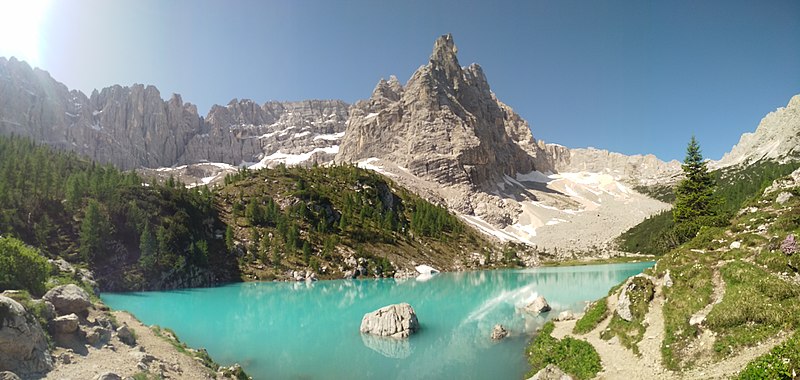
[636,170]
[538,306]
[566,315]
[68,299]
[108,376]
[126,336]
[65,324]
[551,372]
[396,321]
[783,197]
[7,375]
[97,335]
[23,345]
[499,332]
[667,279]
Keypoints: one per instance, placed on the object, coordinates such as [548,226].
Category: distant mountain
[447,136]
[777,138]
[133,127]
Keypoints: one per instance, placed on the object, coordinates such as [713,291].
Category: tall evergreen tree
[92,231]
[695,201]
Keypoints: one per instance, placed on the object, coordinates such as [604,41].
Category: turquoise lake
[310,330]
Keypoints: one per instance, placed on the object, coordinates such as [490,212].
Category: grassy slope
[735,186]
[761,293]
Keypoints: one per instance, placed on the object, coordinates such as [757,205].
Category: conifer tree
[695,201]
[92,234]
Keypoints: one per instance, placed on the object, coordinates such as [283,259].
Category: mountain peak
[444,54]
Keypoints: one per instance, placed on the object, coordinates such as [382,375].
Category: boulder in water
[396,321]
[499,332]
[538,306]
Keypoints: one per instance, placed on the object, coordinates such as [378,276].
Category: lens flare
[20,26]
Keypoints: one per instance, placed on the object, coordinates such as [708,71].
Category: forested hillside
[735,185]
[136,233]
[339,219]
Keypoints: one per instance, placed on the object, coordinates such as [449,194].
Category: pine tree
[695,201]
[229,238]
[92,234]
[148,247]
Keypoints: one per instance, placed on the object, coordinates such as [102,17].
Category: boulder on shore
[538,306]
[396,321]
[23,346]
[566,315]
[68,299]
[551,372]
[65,324]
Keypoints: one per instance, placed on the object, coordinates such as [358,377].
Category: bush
[597,312]
[574,356]
[22,267]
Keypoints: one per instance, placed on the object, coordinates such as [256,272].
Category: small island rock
[499,332]
[396,321]
[539,305]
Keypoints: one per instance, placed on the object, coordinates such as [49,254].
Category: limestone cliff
[445,125]
[133,127]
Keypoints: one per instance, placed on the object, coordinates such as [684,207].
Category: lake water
[310,330]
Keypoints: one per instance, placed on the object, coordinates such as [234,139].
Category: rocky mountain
[777,138]
[445,135]
[445,125]
[635,170]
[133,127]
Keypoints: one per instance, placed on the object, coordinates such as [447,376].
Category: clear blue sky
[628,76]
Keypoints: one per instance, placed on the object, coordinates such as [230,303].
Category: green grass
[596,313]
[573,356]
[630,333]
[756,306]
[691,291]
[782,362]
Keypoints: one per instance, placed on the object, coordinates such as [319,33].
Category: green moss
[596,313]
[574,356]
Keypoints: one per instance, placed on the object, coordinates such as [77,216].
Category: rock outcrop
[23,345]
[777,137]
[68,299]
[396,321]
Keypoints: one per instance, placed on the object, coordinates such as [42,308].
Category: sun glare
[20,24]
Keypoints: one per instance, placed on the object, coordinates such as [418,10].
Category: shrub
[574,356]
[597,312]
[22,267]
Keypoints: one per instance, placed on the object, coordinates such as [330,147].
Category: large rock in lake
[539,305]
[396,321]
[23,346]
[68,299]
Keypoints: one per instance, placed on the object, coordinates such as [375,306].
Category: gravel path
[621,363]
